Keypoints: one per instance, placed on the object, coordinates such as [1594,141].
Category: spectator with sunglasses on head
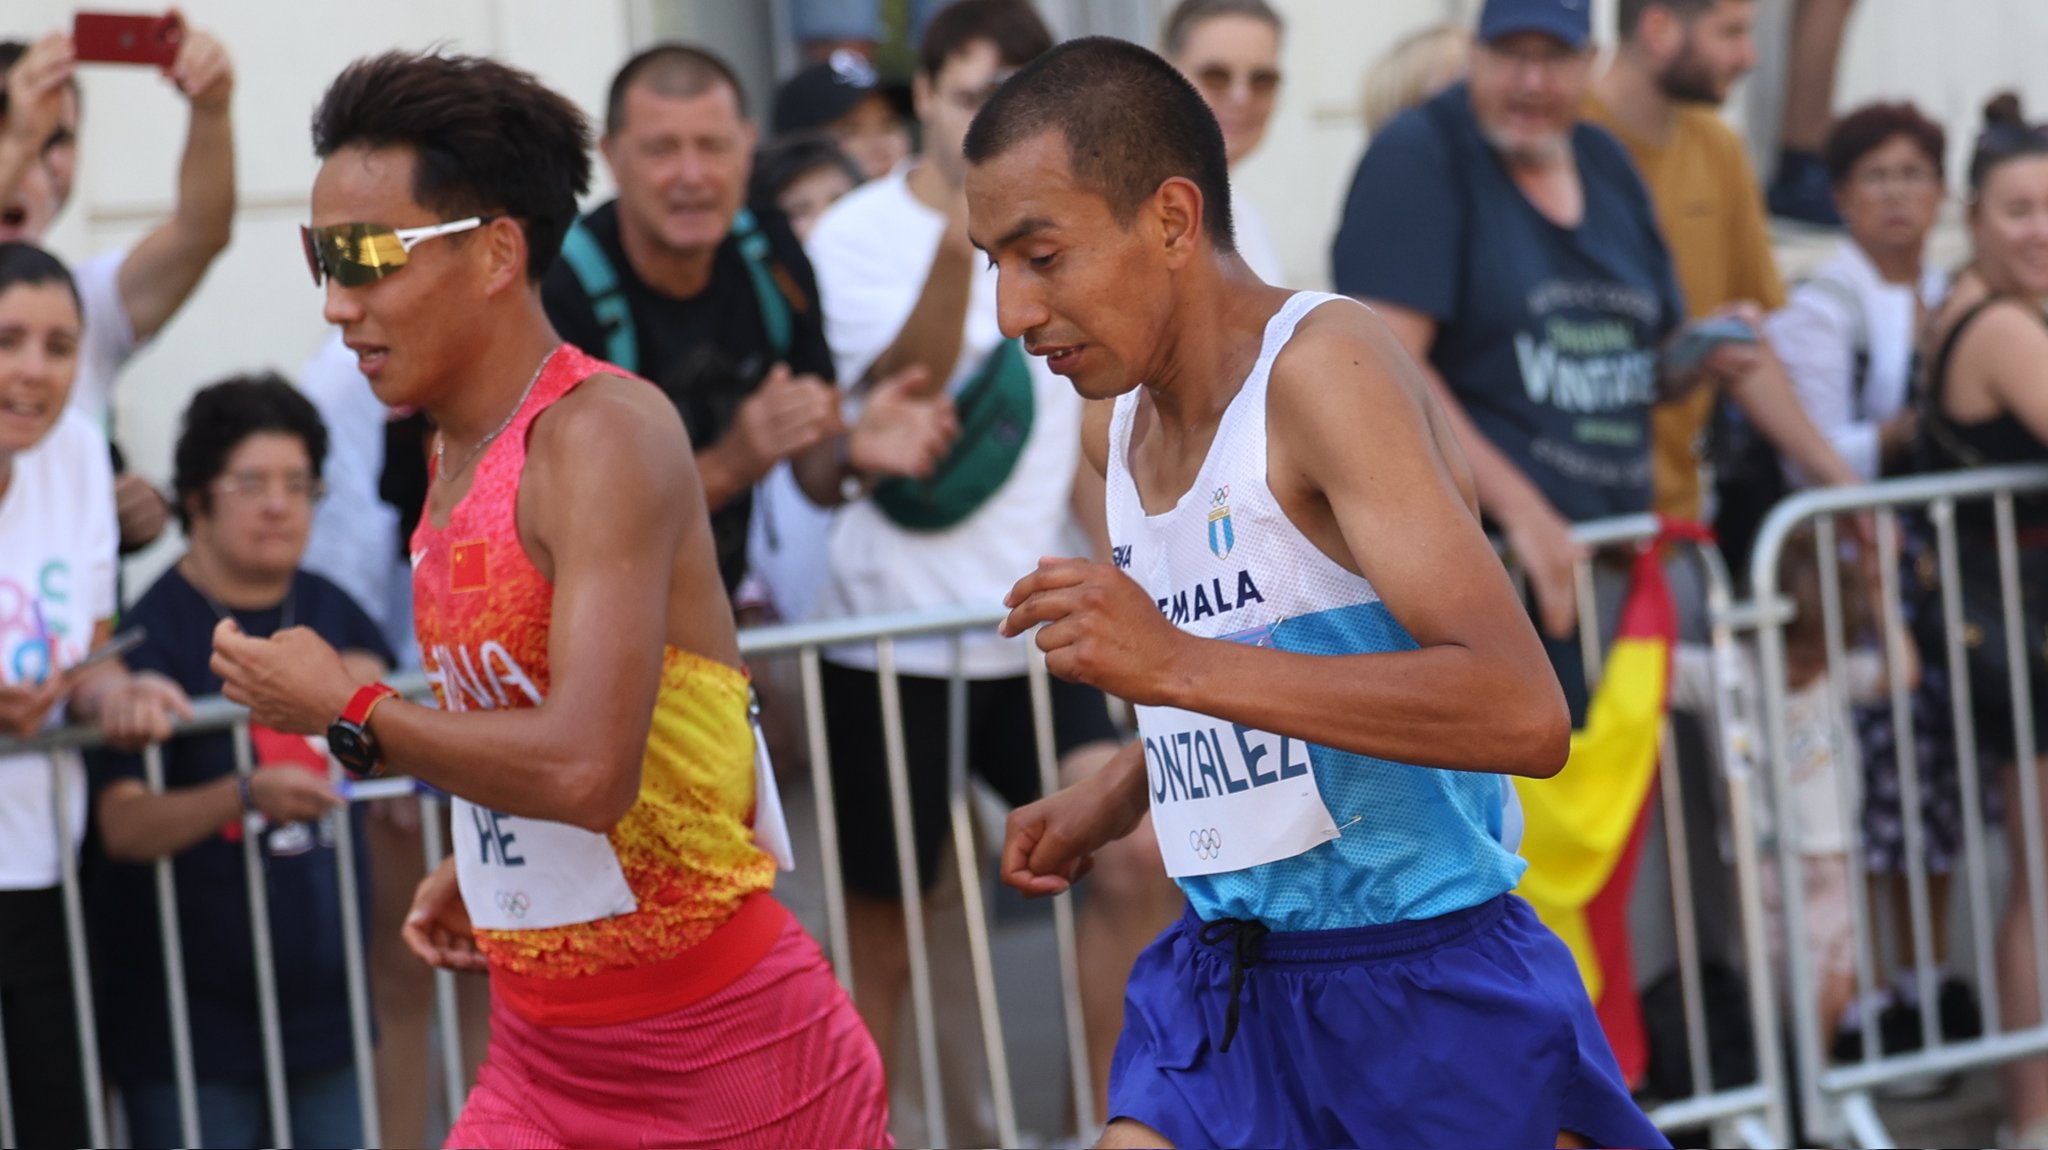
[130,293]
[1230,49]
[1985,403]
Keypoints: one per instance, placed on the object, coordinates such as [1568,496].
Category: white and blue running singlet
[1253,825]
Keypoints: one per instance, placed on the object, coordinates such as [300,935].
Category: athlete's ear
[504,242]
[1177,206]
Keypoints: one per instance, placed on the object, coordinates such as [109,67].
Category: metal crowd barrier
[1837,1100]
[807,642]
[1755,1113]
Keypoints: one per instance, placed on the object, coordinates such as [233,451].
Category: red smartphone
[126,38]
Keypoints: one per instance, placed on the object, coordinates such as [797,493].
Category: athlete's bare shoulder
[611,443]
[1345,374]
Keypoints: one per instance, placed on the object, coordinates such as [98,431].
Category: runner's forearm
[1446,706]
[518,761]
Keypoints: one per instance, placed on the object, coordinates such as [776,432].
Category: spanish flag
[1584,828]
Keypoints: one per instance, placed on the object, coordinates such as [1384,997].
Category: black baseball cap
[829,89]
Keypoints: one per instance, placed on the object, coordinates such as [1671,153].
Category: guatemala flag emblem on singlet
[1221,539]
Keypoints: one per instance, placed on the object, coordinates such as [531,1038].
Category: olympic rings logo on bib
[1207,843]
[513,903]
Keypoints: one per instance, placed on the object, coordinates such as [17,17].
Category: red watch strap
[365,700]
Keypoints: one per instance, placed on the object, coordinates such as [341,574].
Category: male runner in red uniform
[647,987]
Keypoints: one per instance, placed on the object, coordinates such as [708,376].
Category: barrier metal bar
[6,1092]
[978,949]
[1800,974]
[1970,790]
[81,971]
[1679,859]
[447,1009]
[2026,764]
[1590,663]
[171,931]
[1080,1079]
[1821,1086]
[923,1014]
[828,815]
[343,820]
[266,960]
[1848,752]
[1775,1127]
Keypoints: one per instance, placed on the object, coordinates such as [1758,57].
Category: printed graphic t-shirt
[1547,335]
[57,555]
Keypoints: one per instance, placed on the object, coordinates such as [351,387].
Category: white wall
[258,308]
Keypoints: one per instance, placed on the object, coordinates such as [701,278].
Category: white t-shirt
[355,533]
[109,341]
[58,542]
[1815,334]
[1254,242]
[871,251]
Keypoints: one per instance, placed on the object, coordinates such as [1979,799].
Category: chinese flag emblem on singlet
[468,569]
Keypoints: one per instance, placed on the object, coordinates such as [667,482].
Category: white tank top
[1253,825]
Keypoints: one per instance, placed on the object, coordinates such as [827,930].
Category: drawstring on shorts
[1244,936]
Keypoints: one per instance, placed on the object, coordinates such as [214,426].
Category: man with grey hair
[1514,252]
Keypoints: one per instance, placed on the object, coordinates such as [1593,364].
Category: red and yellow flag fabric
[1584,828]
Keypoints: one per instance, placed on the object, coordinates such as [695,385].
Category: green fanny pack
[994,408]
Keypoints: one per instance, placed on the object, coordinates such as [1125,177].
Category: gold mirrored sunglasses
[356,254]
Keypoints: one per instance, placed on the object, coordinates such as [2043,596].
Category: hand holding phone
[126,38]
[1697,340]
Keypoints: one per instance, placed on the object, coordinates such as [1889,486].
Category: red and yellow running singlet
[582,928]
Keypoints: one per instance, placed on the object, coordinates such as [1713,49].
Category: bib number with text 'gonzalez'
[1226,796]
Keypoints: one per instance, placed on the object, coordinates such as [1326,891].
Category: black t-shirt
[300,868]
[708,352]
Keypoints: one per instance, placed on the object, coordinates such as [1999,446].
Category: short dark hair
[1630,13]
[1131,122]
[2006,136]
[1871,127]
[485,138]
[1012,26]
[222,416]
[672,69]
[787,160]
[1180,23]
[27,264]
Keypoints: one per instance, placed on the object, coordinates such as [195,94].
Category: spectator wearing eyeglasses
[1230,49]
[1849,335]
[248,466]
[130,293]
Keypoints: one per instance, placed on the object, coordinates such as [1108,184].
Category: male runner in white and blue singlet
[1331,669]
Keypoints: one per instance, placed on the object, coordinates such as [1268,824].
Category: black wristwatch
[349,738]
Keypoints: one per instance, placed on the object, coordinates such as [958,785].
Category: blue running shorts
[1469,1029]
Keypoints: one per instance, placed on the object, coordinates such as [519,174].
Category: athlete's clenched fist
[1100,628]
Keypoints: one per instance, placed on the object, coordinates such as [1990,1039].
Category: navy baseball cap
[1568,20]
